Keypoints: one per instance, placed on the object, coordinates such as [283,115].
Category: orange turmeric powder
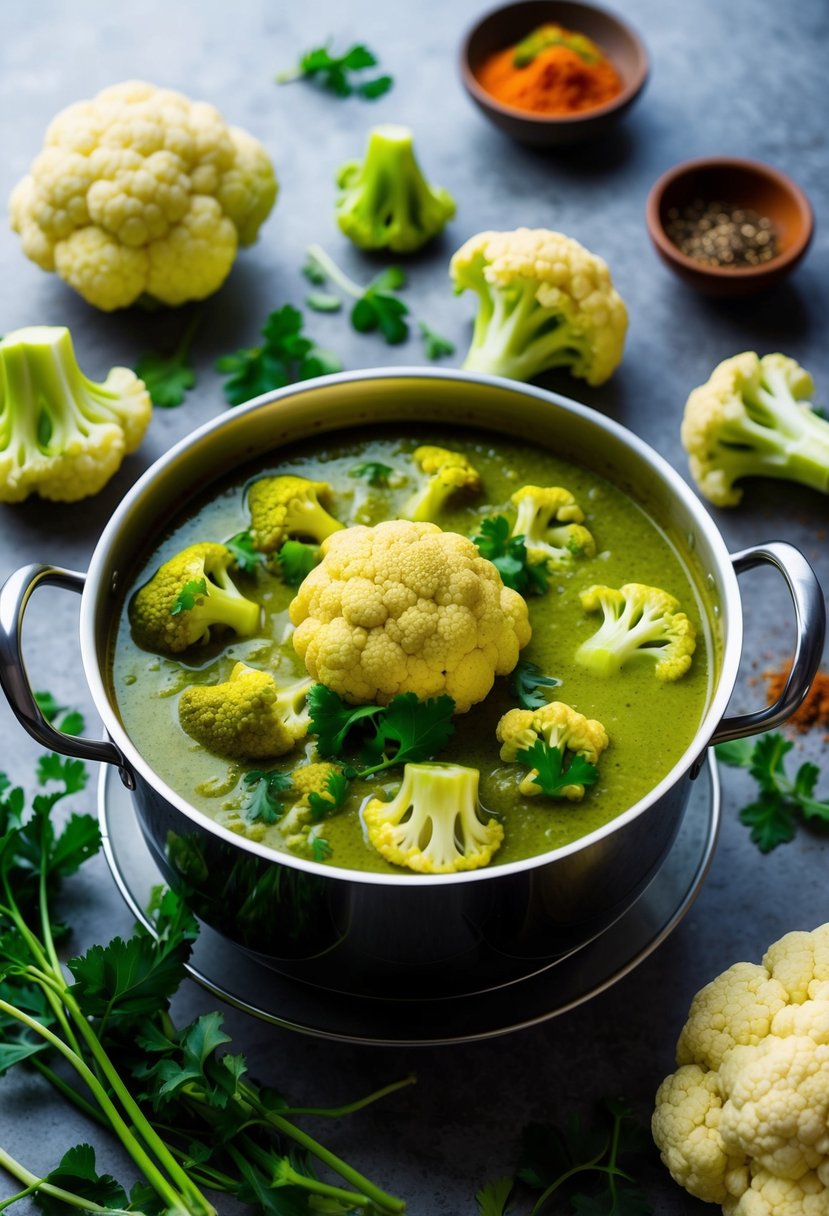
[551,71]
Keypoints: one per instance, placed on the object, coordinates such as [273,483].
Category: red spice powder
[815,708]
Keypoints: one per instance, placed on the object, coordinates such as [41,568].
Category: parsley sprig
[530,686]
[407,730]
[556,768]
[510,557]
[376,306]
[783,799]
[285,356]
[169,376]
[342,75]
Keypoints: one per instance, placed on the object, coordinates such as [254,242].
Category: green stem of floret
[515,336]
[778,437]
[337,276]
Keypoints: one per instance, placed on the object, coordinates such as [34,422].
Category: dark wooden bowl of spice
[552,72]
[729,227]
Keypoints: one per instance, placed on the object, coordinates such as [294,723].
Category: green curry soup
[650,721]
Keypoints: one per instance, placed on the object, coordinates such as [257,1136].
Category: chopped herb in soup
[431,654]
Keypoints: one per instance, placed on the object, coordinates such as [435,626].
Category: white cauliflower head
[744,1121]
[142,191]
[405,607]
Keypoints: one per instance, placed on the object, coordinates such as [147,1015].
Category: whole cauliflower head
[142,191]
[405,607]
[744,1121]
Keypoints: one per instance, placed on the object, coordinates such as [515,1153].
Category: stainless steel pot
[408,936]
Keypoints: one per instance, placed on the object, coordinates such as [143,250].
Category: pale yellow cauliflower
[405,607]
[141,191]
[744,1121]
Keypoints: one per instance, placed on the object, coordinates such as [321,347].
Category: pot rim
[729,589]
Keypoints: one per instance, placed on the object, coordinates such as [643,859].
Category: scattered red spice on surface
[814,710]
[552,71]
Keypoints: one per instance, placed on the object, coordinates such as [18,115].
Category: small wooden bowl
[503,27]
[740,183]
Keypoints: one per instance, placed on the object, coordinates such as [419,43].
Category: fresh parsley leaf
[285,356]
[530,686]
[168,377]
[337,788]
[332,719]
[773,816]
[492,1199]
[552,775]
[340,74]
[245,554]
[434,345]
[76,1173]
[320,848]
[372,471]
[313,270]
[72,774]
[129,978]
[267,788]
[408,730]
[189,596]
[70,721]
[379,309]
[296,561]
[323,301]
[509,556]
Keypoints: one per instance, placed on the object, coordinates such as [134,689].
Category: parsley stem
[585,1168]
[334,1112]
[148,1168]
[330,267]
[33,1183]
[68,1092]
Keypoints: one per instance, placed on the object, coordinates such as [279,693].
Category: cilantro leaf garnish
[337,787]
[407,730]
[552,773]
[285,356]
[509,556]
[530,686]
[376,307]
[372,471]
[320,848]
[332,719]
[267,788]
[773,817]
[169,376]
[296,560]
[435,346]
[245,554]
[340,74]
[189,596]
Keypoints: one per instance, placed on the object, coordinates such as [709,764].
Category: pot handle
[810,620]
[14,598]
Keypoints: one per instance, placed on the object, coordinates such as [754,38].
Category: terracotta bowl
[740,183]
[505,26]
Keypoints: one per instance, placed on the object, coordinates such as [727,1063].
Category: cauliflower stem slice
[433,823]
[638,622]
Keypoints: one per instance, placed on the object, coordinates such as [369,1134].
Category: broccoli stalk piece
[247,717]
[560,746]
[544,302]
[283,507]
[433,824]
[639,622]
[551,523]
[449,472]
[753,418]
[386,202]
[188,597]
[62,436]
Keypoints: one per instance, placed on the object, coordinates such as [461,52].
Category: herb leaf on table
[169,376]
[341,75]
[376,307]
[435,346]
[285,356]
[783,799]
[510,558]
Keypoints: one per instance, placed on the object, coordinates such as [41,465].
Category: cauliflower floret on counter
[404,607]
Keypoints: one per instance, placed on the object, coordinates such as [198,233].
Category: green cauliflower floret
[317,786]
[62,436]
[188,597]
[552,525]
[545,302]
[433,824]
[753,418]
[640,622]
[448,473]
[247,717]
[557,726]
[283,507]
[386,202]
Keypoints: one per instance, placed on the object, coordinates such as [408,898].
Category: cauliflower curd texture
[141,191]
[744,1121]
[405,607]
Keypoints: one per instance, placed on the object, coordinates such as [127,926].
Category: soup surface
[650,721]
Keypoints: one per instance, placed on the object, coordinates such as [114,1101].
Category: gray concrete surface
[744,78]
